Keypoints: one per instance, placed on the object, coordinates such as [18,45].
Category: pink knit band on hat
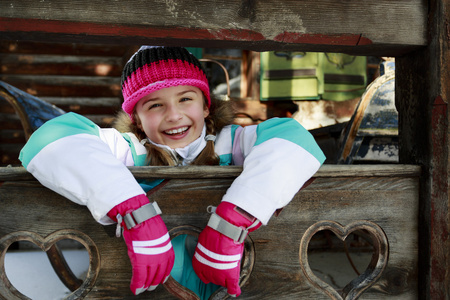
[155,68]
[129,104]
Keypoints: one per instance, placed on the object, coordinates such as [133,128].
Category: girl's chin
[177,144]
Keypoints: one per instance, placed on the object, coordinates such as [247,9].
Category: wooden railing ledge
[10,173]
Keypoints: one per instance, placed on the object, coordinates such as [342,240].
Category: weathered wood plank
[12,136]
[5,107]
[187,172]
[414,100]
[9,153]
[10,121]
[422,102]
[101,102]
[57,86]
[78,78]
[253,25]
[44,47]
[391,202]
[102,120]
[31,64]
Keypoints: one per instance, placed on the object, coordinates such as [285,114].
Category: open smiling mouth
[180,130]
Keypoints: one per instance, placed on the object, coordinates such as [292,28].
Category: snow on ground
[32,274]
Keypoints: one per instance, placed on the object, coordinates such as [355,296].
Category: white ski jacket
[74,157]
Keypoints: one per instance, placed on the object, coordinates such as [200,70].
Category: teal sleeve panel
[139,160]
[290,130]
[55,129]
[226,159]
[233,132]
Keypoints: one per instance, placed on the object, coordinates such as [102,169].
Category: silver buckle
[141,214]
[237,234]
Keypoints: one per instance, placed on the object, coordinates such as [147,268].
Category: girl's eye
[154,106]
[184,99]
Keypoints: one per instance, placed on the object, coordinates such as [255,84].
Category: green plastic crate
[345,76]
[291,76]
[312,76]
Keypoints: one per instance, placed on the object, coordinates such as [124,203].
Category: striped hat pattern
[154,68]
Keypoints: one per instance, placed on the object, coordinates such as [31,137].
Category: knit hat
[154,68]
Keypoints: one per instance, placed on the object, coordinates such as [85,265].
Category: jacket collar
[188,153]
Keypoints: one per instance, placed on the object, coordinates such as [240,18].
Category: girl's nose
[173,113]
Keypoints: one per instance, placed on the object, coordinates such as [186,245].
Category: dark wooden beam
[367,28]
[422,95]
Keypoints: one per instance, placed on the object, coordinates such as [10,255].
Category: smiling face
[172,116]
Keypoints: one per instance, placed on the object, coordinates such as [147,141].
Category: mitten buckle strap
[141,214]
[237,234]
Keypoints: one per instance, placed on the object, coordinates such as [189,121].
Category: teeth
[176,131]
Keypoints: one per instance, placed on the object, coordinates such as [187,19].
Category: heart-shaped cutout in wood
[365,280]
[182,292]
[8,291]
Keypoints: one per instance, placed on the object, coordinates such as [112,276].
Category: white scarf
[188,153]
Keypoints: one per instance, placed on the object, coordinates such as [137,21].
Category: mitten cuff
[235,215]
[233,222]
[127,206]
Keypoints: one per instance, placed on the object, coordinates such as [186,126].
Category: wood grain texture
[422,75]
[389,201]
[58,86]
[47,243]
[187,172]
[251,25]
[32,64]
[367,278]
[422,103]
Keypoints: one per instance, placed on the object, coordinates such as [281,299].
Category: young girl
[172,121]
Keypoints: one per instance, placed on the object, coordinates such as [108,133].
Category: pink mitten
[217,258]
[149,247]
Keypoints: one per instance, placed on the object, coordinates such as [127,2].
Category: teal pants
[183,272]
